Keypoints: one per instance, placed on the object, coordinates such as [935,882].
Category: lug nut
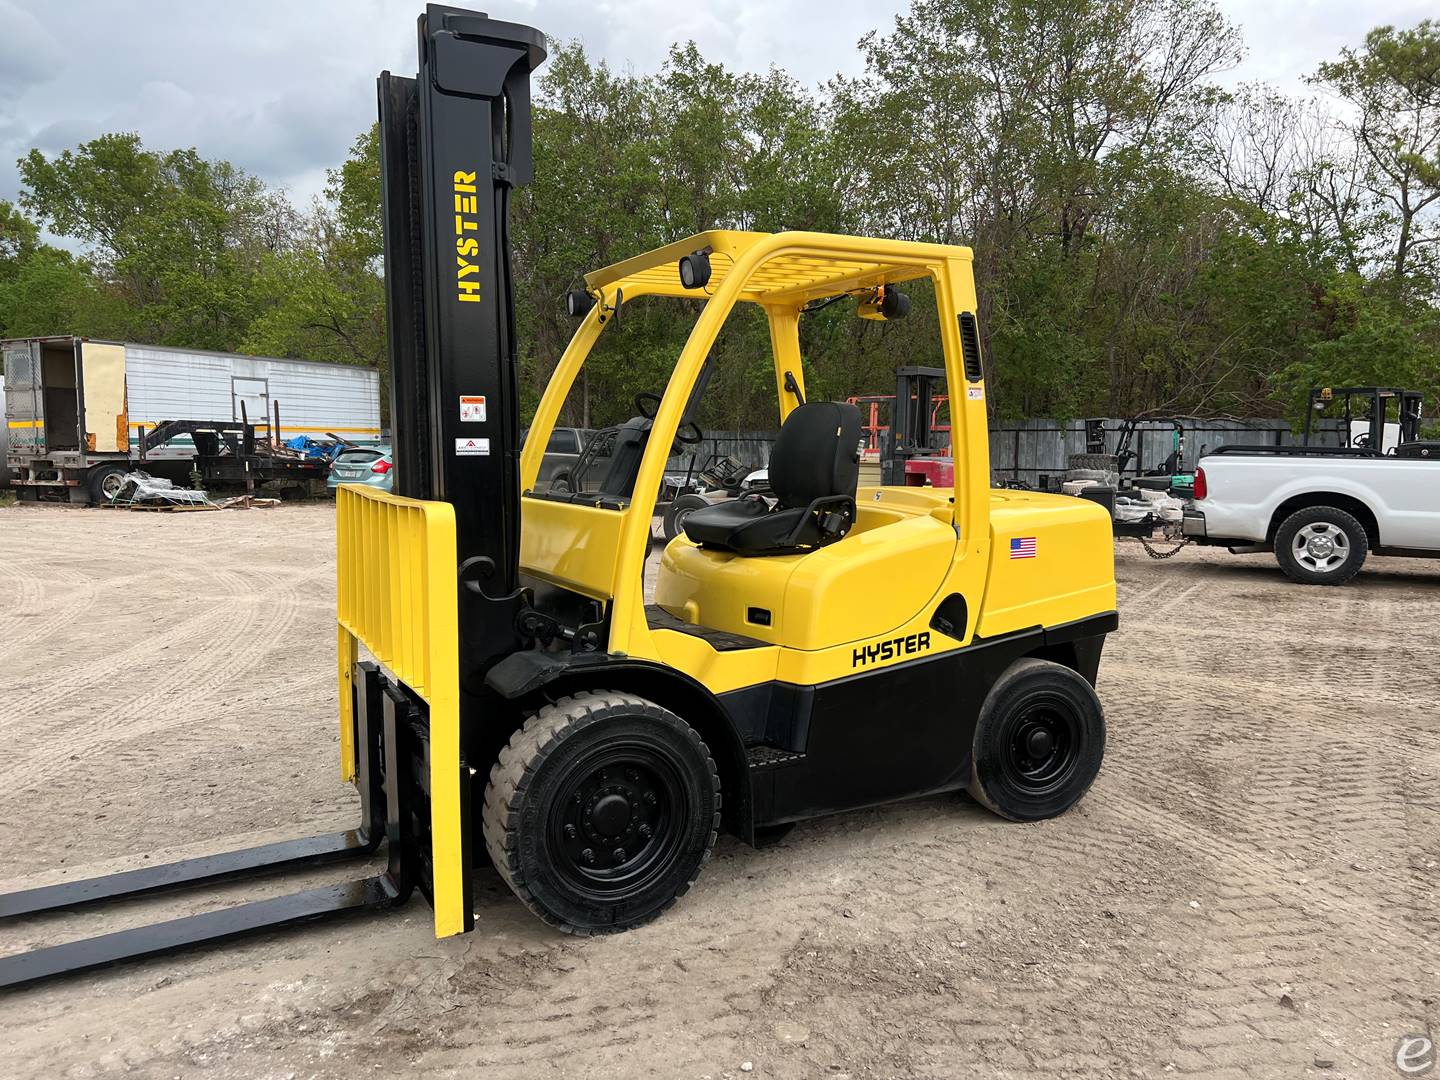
[632,774]
[570,832]
[588,855]
[650,797]
[646,831]
[619,854]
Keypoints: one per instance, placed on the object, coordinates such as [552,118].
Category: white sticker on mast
[472,447]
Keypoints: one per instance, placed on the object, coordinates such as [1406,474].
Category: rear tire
[679,509]
[1038,743]
[105,482]
[1321,545]
[601,811]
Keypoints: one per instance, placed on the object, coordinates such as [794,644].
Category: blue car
[373,466]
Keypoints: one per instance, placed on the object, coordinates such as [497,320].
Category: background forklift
[905,435]
[1367,421]
[828,648]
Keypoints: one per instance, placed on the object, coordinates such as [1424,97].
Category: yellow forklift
[506,693]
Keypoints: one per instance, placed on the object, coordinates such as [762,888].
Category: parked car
[562,452]
[373,466]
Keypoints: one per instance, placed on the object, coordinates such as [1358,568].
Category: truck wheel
[681,508]
[560,483]
[1038,743]
[1321,545]
[106,481]
[601,811]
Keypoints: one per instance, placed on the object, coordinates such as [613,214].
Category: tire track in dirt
[26,597]
[224,627]
[83,676]
[237,642]
[65,607]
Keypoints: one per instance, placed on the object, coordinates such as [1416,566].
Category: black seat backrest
[625,455]
[817,454]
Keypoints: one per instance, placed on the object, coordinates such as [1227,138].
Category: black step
[763,757]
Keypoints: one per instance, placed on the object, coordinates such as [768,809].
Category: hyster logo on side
[467,270]
[884,651]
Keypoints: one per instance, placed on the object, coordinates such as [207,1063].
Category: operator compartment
[1052,561]
[902,537]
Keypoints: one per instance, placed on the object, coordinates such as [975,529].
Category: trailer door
[24,400]
[103,377]
[254,395]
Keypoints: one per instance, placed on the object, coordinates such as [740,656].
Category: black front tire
[1039,741]
[601,811]
[1321,545]
[679,509]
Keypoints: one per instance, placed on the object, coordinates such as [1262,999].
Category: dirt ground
[1249,889]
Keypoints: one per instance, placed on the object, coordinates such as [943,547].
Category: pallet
[170,508]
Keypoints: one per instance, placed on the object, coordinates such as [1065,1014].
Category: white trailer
[76,409]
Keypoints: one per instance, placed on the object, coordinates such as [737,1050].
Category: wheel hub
[615,821]
[1043,747]
[611,815]
[1321,546]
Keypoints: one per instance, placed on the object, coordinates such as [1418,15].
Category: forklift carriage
[824,648]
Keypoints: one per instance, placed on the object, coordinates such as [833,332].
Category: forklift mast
[912,431]
[1375,411]
[454,141]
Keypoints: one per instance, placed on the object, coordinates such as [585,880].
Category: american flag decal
[1022,547]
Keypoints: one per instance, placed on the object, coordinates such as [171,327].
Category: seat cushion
[748,527]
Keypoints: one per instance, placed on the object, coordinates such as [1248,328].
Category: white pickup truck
[1321,510]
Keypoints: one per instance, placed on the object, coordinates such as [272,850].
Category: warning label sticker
[472,447]
[472,409]
[975,393]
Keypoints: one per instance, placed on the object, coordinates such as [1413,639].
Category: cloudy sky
[281,88]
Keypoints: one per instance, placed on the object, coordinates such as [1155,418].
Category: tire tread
[523,755]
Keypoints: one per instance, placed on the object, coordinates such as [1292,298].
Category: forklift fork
[384,722]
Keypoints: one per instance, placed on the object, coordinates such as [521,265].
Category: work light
[695,270]
[578,302]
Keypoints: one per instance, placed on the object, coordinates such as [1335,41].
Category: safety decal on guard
[1022,547]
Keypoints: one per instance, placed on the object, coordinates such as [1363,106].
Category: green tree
[1391,82]
[176,237]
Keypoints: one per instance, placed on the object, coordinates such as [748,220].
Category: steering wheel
[1361,440]
[689,432]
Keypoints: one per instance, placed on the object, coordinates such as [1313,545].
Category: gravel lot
[1249,889]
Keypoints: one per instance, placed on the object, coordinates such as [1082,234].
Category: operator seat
[814,469]
[625,457]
